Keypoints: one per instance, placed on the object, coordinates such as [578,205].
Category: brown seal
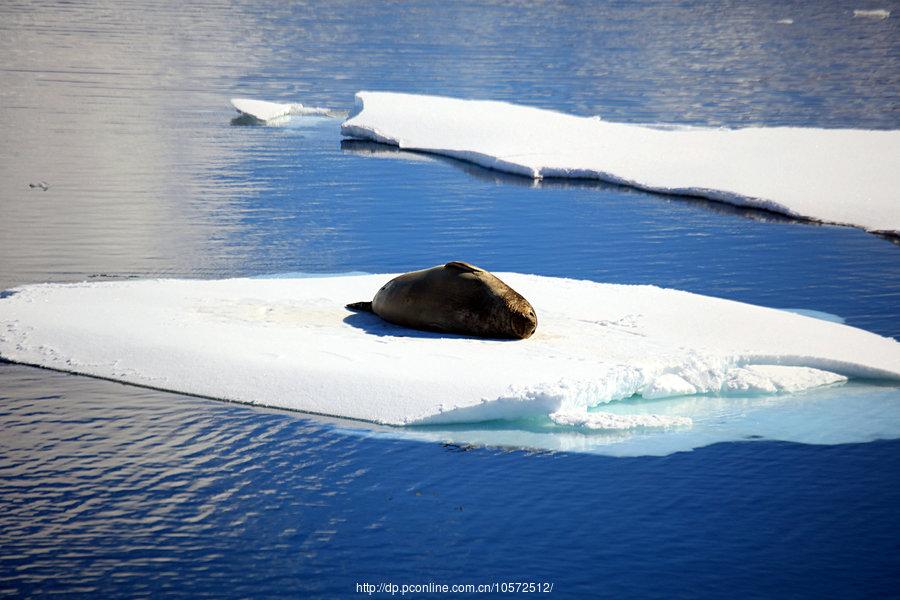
[455,298]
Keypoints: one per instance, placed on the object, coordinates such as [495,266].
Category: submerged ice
[842,176]
[603,358]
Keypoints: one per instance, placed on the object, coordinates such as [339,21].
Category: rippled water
[116,491]
[122,109]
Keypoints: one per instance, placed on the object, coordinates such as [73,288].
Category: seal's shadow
[375,325]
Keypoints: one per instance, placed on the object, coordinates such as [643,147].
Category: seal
[455,298]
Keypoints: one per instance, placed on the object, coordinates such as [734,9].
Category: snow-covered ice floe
[290,343]
[275,112]
[878,13]
[842,176]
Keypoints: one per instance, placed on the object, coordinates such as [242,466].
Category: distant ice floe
[842,176]
[603,358]
[879,13]
[274,112]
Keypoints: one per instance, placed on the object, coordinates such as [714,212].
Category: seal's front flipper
[462,266]
[360,306]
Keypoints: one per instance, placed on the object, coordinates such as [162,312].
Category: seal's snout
[524,322]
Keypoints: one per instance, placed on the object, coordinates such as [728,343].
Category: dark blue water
[112,491]
[121,492]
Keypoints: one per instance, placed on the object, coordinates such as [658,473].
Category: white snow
[751,378]
[290,343]
[843,176]
[273,111]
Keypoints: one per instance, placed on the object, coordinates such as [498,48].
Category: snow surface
[843,176]
[290,343]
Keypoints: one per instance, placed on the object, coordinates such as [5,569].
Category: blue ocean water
[122,109]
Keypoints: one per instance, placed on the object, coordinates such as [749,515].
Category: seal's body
[455,298]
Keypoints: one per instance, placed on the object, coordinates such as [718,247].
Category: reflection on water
[106,104]
[122,110]
[379,150]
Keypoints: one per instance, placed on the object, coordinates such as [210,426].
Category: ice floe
[843,176]
[290,343]
[877,13]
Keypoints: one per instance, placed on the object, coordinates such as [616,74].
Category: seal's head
[519,315]
[482,303]
[525,322]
